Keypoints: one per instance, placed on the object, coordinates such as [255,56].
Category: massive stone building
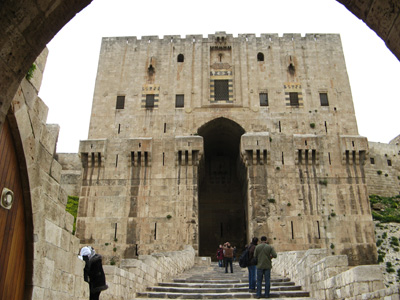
[203,140]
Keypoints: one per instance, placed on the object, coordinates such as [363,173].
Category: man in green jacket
[264,254]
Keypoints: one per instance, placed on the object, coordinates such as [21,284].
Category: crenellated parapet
[189,150]
[92,152]
[306,149]
[354,149]
[255,148]
[140,150]
[222,40]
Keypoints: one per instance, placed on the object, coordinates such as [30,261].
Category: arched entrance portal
[222,188]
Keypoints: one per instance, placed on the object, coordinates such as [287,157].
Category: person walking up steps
[264,254]
[228,256]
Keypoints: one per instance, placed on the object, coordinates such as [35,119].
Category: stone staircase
[211,282]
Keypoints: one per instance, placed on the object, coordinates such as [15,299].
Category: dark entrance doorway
[222,188]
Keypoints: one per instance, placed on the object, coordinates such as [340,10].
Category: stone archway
[222,196]
[27,26]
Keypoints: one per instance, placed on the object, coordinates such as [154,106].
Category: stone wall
[383,169]
[57,272]
[71,173]
[330,277]
[135,275]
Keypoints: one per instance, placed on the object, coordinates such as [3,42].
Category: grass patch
[388,208]
[72,208]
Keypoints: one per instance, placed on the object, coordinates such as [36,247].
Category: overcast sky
[70,73]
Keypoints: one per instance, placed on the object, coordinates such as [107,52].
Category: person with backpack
[251,267]
[228,256]
[264,254]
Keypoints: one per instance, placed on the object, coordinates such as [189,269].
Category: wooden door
[12,222]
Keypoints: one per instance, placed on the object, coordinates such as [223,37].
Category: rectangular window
[221,89]
[389,162]
[324,99]
[149,101]
[179,101]
[372,160]
[263,99]
[120,102]
[294,99]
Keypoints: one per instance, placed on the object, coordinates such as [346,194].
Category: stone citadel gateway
[203,140]
[51,264]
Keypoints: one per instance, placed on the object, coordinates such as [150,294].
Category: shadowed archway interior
[222,191]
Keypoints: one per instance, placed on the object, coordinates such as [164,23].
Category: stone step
[215,289]
[220,285]
[277,298]
[280,295]
[230,281]
[211,282]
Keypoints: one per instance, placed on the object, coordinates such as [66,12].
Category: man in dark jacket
[264,254]
[252,266]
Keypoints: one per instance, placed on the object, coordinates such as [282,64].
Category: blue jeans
[252,277]
[220,262]
[228,260]
[260,274]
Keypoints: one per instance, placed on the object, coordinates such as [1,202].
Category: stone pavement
[211,282]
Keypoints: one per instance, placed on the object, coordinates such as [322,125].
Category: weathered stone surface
[345,282]
[294,171]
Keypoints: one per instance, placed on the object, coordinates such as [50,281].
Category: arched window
[181,58]
[260,56]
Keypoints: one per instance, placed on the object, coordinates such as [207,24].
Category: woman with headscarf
[93,272]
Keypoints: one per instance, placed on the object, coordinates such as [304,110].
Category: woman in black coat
[93,272]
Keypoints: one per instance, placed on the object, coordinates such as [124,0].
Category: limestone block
[41,110]
[24,126]
[66,240]
[38,292]
[29,94]
[36,124]
[49,137]
[361,288]
[56,214]
[43,276]
[37,203]
[347,291]
[63,197]
[363,273]
[53,233]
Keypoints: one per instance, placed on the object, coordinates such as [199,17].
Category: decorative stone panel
[306,149]
[255,148]
[354,149]
[140,151]
[92,152]
[189,150]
